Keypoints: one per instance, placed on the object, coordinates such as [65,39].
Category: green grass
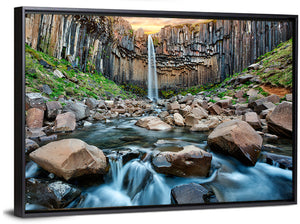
[279,64]
[76,84]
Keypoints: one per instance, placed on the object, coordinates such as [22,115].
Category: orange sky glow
[153,25]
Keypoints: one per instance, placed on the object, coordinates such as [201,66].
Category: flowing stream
[137,183]
[152,75]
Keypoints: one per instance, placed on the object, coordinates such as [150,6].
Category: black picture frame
[19,111]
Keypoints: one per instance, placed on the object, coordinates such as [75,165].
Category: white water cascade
[152,75]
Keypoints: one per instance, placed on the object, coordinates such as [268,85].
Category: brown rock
[215,109]
[178,119]
[280,121]
[92,103]
[99,116]
[273,98]
[206,125]
[191,120]
[185,111]
[153,123]
[199,113]
[200,127]
[187,98]
[35,118]
[224,103]
[70,158]
[191,161]
[238,139]
[169,120]
[252,119]
[119,111]
[65,122]
[53,109]
[239,94]
[163,114]
[174,106]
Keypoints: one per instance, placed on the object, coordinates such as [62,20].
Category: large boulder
[65,122]
[191,120]
[224,103]
[199,113]
[280,121]
[153,123]
[206,125]
[262,104]
[92,103]
[34,100]
[99,116]
[50,194]
[244,78]
[35,118]
[190,161]
[186,98]
[185,111]
[173,106]
[215,109]
[163,114]
[178,119]
[273,99]
[252,119]
[70,158]
[238,139]
[192,193]
[53,109]
[80,110]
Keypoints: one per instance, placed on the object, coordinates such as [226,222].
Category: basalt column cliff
[186,55]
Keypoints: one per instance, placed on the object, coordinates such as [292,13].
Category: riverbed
[136,183]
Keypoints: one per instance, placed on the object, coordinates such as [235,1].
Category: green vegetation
[277,68]
[74,83]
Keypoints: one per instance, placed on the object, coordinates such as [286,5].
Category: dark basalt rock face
[191,194]
[284,162]
[51,194]
[186,55]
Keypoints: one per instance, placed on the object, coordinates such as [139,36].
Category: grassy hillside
[41,68]
[277,67]
[275,71]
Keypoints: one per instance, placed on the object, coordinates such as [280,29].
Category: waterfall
[152,75]
[134,183]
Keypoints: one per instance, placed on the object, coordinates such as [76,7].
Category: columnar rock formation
[187,55]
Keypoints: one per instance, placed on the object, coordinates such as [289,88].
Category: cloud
[153,25]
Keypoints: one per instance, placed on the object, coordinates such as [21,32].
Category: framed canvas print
[122,111]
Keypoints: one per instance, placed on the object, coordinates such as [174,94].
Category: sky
[153,25]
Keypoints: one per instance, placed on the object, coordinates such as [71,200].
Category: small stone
[35,118]
[289,97]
